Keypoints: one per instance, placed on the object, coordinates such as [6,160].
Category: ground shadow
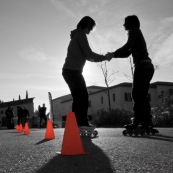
[95,160]
[157,137]
[161,137]
[11,132]
[36,129]
[6,129]
[43,141]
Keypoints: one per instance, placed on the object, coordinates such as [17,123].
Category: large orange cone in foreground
[20,129]
[49,131]
[72,143]
[26,130]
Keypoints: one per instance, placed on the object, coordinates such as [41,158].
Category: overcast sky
[34,36]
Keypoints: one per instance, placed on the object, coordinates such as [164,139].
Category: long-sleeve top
[79,51]
[135,45]
[42,111]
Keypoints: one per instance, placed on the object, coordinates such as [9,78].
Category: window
[149,97]
[102,100]
[161,94]
[170,92]
[89,103]
[127,97]
[113,96]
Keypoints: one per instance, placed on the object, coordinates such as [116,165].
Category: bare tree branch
[107,77]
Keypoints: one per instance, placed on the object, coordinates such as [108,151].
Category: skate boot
[88,130]
[134,129]
[148,127]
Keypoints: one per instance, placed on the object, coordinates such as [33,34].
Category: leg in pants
[142,77]
[45,120]
[19,120]
[41,120]
[78,89]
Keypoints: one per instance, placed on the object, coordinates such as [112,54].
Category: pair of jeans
[77,86]
[45,119]
[143,74]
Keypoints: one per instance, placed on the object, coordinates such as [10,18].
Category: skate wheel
[130,133]
[125,132]
[147,132]
[136,133]
[142,133]
[89,133]
[95,133]
[82,133]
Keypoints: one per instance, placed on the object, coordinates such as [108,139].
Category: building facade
[28,103]
[120,97]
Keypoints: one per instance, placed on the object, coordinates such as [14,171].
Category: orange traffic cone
[72,143]
[17,127]
[49,131]
[20,129]
[26,130]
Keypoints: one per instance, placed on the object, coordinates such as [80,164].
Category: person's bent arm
[88,53]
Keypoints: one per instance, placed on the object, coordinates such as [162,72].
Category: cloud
[76,9]
[107,38]
[162,43]
[36,55]
[167,20]
[32,54]
[43,88]
[17,76]
[164,55]
[64,7]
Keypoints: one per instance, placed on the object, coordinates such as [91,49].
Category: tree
[108,79]
[156,67]
[163,112]
[132,70]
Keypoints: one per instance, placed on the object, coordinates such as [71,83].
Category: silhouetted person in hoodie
[143,72]
[78,52]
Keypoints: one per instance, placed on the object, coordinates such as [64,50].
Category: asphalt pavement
[110,152]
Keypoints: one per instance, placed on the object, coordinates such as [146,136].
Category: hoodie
[79,51]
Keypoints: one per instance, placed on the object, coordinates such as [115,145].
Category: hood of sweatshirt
[74,32]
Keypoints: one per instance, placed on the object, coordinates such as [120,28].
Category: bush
[163,113]
[34,122]
[116,118]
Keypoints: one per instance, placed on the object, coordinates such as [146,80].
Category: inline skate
[88,131]
[142,128]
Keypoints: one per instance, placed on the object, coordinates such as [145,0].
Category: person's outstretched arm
[88,53]
[125,50]
[122,54]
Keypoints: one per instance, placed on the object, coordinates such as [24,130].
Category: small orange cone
[72,143]
[17,127]
[20,129]
[49,131]
[26,130]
